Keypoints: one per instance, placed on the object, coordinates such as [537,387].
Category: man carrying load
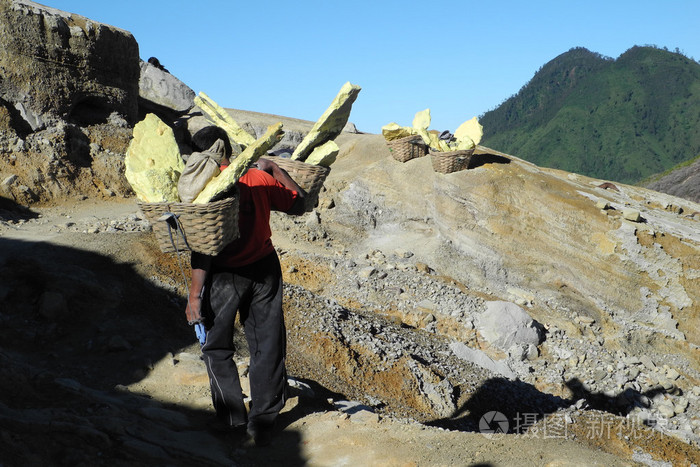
[245,277]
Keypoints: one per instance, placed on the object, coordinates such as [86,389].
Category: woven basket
[309,176]
[405,149]
[448,162]
[204,228]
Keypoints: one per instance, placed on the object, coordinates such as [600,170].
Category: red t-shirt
[259,194]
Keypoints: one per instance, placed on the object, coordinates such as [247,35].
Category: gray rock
[632,215]
[300,388]
[647,362]
[479,358]
[683,182]
[667,409]
[162,88]
[8,181]
[505,324]
[350,128]
[367,272]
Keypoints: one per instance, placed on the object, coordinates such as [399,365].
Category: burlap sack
[201,167]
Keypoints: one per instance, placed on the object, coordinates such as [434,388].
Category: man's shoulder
[255,177]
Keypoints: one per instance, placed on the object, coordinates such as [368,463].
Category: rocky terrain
[506,314]
[388,345]
[683,182]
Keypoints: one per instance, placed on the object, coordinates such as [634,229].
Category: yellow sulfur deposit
[421,123]
[153,162]
[324,154]
[392,131]
[220,117]
[230,175]
[330,124]
[469,134]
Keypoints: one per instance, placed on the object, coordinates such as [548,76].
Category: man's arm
[281,175]
[200,267]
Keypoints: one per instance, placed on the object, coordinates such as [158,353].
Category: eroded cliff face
[60,66]
[69,90]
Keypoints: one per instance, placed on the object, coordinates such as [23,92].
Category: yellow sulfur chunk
[324,154]
[465,144]
[330,124]
[392,131]
[220,117]
[469,134]
[421,121]
[153,162]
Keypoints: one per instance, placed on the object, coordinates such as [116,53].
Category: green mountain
[623,119]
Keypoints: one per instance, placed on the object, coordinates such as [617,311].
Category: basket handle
[173,222]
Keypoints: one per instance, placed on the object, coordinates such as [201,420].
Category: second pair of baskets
[448,162]
[407,148]
[309,176]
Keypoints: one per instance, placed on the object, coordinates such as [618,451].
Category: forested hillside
[623,119]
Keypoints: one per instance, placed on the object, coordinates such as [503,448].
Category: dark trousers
[256,292]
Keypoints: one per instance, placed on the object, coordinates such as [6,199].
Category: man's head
[207,136]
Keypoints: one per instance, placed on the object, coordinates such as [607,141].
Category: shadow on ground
[501,405]
[75,327]
[11,211]
[477,160]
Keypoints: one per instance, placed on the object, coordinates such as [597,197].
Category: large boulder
[504,325]
[161,92]
[60,66]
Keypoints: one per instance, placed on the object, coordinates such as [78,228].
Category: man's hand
[266,165]
[194,310]
[281,175]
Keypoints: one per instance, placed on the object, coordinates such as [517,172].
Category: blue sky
[458,58]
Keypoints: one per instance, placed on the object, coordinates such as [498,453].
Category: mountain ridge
[622,119]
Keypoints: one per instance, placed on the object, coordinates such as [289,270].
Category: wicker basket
[204,228]
[405,149]
[309,176]
[448,162]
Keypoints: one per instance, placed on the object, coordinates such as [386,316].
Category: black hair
[207,136]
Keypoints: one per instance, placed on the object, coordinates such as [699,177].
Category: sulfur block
[220,117]
[469,134]
[324,154]
[153,161]
[331,123]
